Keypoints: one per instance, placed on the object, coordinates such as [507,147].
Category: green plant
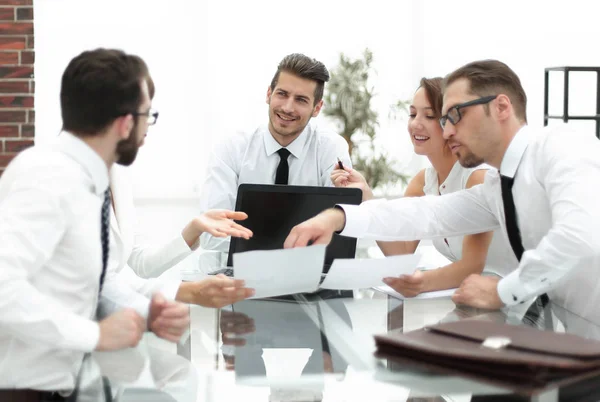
[348,102]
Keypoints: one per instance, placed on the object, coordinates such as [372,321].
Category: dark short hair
[98,86]
[433,91]
[303,67]
[492,77]
[151,87]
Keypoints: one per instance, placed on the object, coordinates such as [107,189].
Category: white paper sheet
[280,272]
[436,294]
[366,273]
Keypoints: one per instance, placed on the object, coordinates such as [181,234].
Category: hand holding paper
[364,273]
[280,272]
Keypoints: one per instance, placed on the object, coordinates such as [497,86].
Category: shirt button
[444,186]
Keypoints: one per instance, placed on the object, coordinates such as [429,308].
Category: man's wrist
[338,218]
[184,293]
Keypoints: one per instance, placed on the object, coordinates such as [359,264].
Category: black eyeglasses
[152,116]
[454,115]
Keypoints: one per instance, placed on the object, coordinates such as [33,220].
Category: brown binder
[521,358]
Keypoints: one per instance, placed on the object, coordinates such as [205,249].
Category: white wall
[166,37]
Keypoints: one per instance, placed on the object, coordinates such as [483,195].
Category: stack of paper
[298,270]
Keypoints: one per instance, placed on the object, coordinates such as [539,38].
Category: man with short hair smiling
[288,150]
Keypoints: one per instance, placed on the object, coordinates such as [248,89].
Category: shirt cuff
[170,288]
[357,220]
[86,337]
[511,290]
[141,304]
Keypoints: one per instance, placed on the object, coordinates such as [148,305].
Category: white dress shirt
[500,258]
[253,158]
[555,193]
[50,263]
[129,254]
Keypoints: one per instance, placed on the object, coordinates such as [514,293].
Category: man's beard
[127,149]
[470,160]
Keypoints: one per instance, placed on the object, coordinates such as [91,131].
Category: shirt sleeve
[417,218]
[167,285]
[569,173]
[32,223]
[150,261]
[117,295]
[220,189]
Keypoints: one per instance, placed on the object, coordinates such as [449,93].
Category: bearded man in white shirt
[288,150]
[54,234]
[543,197]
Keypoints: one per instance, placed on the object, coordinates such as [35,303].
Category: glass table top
[320,347]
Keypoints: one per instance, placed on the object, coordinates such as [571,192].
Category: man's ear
[504,107]
[269,93]
[317,108]
[123,126]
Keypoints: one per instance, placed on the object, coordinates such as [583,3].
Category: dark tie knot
[283,153]
[507,182]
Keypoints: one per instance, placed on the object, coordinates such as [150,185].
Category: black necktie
[510,214]
[104,221]
[283,170]
[514,236]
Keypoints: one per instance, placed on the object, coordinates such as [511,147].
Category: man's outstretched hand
[317,230]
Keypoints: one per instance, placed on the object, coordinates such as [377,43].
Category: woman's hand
[217,222]
[407,285]
[215,291]
[349,177]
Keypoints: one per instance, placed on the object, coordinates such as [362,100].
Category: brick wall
[17,86]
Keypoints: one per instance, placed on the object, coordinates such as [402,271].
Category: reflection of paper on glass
[280,272]
[436,294]
[366,273]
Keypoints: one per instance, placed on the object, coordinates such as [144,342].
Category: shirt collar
[295,148]
[81,152]
[514,153]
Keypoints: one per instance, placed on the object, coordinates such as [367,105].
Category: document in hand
[298,270]
[366,273]
[280,272]
[521,358]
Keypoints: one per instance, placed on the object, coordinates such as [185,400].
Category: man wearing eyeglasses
[543,197]
[54,235]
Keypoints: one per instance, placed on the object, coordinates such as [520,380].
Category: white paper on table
[280,272]
[436,294]
[366,273]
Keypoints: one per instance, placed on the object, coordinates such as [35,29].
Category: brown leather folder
[521,358]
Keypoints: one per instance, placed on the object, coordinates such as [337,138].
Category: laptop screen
[274,210]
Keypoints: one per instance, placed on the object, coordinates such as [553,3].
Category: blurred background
[212,62]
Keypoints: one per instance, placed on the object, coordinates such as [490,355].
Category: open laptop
[273,210]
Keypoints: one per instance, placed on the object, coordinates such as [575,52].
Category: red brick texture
[17,87]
